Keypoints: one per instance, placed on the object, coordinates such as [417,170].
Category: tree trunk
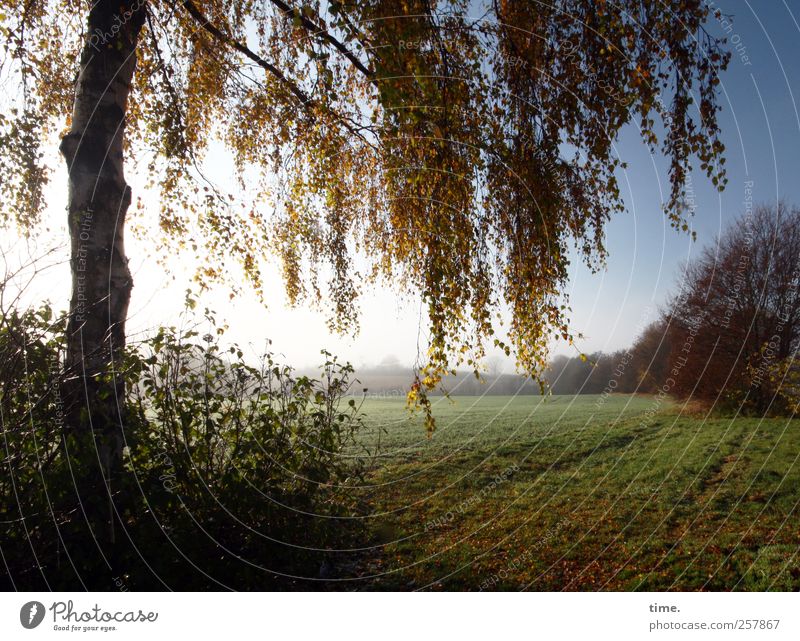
[101,281]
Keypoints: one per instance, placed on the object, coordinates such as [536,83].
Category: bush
[236,474]
[32,420]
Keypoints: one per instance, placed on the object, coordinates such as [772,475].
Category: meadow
[579,493]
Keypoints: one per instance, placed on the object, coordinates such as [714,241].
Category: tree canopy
[461,147]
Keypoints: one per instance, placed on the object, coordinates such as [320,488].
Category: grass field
[581,493]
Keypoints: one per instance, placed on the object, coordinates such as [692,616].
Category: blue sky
[761,132]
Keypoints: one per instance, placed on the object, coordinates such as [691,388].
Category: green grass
[581,493]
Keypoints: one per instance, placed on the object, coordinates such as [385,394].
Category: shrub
[31,418]
[237,474]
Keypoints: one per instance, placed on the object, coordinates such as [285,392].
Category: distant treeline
[637,369]
[390,382]
[641,368]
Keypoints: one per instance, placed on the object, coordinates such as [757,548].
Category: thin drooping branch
[206,24]
[348,123]
[324,35]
